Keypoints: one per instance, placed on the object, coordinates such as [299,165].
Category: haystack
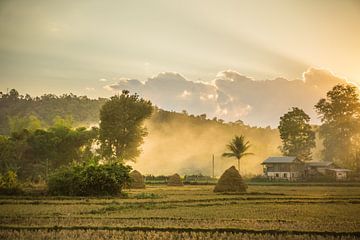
[230,181]
[137,180]
[175,180]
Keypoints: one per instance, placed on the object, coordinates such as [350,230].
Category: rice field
[188,212]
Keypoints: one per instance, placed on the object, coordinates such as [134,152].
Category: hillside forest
[39,134]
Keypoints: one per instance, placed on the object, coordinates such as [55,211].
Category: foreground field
[189,212]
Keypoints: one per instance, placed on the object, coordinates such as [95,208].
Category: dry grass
[230,181]
[190,212]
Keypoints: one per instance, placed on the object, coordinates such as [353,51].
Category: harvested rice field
[188,212]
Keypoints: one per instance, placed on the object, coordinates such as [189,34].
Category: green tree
[20,148]
[17,123]
[67,121]
[121,126]
[49,109]
[32,154]
[7,154]
[238,148]
[58,146]
[340,130]
[296,134]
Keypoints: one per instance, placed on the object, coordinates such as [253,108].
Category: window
[285,175]
[276,175]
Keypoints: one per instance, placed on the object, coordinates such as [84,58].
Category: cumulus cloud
[172,91]
[233,96]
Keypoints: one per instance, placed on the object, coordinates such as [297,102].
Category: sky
[184,54]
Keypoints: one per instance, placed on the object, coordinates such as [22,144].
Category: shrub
[89,179]
[9,184]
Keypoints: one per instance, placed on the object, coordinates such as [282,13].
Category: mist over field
[184,145]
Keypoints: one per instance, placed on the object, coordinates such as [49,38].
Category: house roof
[319,164]
[339,170]
[280,160]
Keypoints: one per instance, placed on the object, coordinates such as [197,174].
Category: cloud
[172,91]
[103,80]
[233,96]
[185,94]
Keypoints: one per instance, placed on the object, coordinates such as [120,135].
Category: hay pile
[175,180]
[137,180]
[230,181]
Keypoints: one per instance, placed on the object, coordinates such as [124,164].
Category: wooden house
[325,168]
[340,174]
[286,168]
[313,169]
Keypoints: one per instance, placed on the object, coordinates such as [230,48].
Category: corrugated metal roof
[339,170]
[280,160]
[319,164]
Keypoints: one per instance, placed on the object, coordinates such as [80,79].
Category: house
[340,174]
[286,168]
[314,169]
[327,169]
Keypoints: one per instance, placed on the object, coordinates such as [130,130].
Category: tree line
[339,131]
[19,110]
[32,152]
[36,142]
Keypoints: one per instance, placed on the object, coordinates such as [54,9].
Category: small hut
[230,181]
[137,180]
[175,180]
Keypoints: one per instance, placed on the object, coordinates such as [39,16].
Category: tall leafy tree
[59,145]
[7,154]
[34,153]
[17,123]
[121,126]
[238,148]
[340,130]
[296,134]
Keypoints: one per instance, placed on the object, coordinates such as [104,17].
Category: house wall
[338,175]
[284,167]
[321,170]
[283,175]
[289,171]
[341,175]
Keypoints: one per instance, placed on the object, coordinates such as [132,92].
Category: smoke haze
[183,144]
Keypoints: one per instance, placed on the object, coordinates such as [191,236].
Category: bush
[89,180]
[9,184]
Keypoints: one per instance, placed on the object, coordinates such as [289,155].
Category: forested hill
[18,108]
[177,142]
[81,110]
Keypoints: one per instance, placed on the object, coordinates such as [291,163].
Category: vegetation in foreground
[89,179]
[153,234]
[195,212]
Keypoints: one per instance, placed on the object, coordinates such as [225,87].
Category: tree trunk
[239,165]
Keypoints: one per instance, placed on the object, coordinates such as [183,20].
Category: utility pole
[213,166]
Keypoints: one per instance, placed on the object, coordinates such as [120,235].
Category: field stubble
[189,212]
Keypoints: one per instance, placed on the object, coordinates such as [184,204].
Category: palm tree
[238,149]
